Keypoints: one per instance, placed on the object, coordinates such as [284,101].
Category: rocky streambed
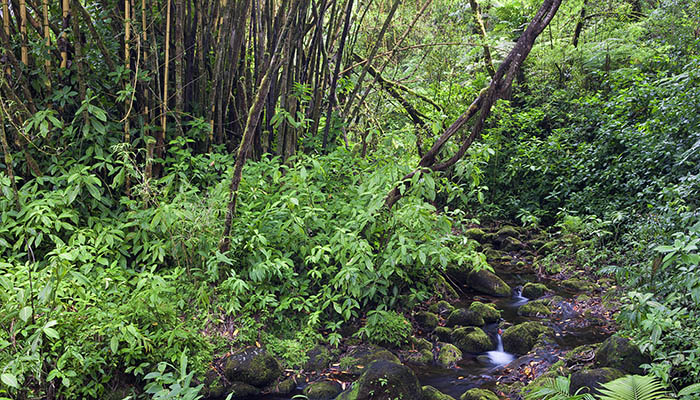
[501,334]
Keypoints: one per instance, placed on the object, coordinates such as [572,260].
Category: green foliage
[385,328]
[172,385]
[633,387]
[556,389]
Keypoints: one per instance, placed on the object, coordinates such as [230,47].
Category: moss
[589,380]
[426,320]
[547,248]
[430,393]
[578,285]
[464,317]
[520,338]
[475,234]
[472,340]
[556,369]
[489,283]
[385,380]
[319,359]
[445,288]
[441,307]
[358,358]
[448,355]
[253,366]
[508,231]
[322,390]
[420,343]
[511,244]
[620,353]
[285,387]
[488,312]
[534,290]
[537,308]
[492,254]
[420,357]
[478,394]
[581,354]
[490,237]
[240,390]
[443,333]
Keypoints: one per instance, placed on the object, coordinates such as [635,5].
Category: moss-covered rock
[323,390]
[589,380]
[464,317]
[492,254]
[534,290]
[284,387]
[478,394]
[475,234]
[430,393]
[361,356]
[319,359]
[448,355]
[253,366]
[240,391]
[511,244]
[488,312]
[536,308]
[214,385]
[555,370]
[508,231]
[489,283]
[441,307]
[426,320]
[420,343]
[520,338]
[443,333]
[547,248]
[385,380]
[472,340]
[621,353]
[579,285]
[490,237]
[445,288]
[418,357]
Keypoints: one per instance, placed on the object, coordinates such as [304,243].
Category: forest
[350,199]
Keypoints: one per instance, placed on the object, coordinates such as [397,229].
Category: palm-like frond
[634,387]
[556,389]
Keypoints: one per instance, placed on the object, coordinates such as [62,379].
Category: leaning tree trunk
[498,89]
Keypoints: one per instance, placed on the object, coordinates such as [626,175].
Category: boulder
[441,307]
[361,356]
[430,393]
[589,380]
[547,248]
[214,385]
[418,357]
[444,334]
[537,308]
[479,394]
[464,317]
[448,355]
[511,244]
[472,340]
[579,285]
[621,353]
[252,366]
[240,390]
[322,390]
[385,380]
[534,290]
[508,231]
[488,283]
[420,343]
[520,338]
[284,387]
[488,312]
[319,359]
[475,234]
[426,320]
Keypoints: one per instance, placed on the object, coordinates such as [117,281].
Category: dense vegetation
[145,230]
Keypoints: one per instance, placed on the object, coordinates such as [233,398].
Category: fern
[634,387]
[556,389]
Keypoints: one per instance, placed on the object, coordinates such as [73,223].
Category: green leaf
[25,313]
[9,380]
[692,389]
[114,344]
[50,332]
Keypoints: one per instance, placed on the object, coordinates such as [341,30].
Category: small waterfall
[499,357]
[499,343]
[518,298]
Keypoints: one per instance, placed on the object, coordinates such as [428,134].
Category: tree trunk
[579,24]
[64,36]
[23,31]
[47,38]
[481,29]
[160,143]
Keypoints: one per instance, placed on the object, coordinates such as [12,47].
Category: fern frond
[634,387]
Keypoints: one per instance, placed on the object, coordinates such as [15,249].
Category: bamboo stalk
[6,27]
[164,102]
[64,35]
[47,37]
[23,31]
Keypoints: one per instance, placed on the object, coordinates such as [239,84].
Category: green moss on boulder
[511,244]
[430,393]
[579,285]
[448,355]
[464,317]
[555,370]
[478,394]
[385,380]
[319,359]
[508,231]
[472,340]
[426,320]
[589,380]
[418,357]
[547,248]
[253,366]
[488,312]
[621,353]
[520,338]
[537,308]
[420,343]
[240,391]
[441,307]
[323,390]
[488,283]
[443,333]
[534,290]
[475,234]
[363,355]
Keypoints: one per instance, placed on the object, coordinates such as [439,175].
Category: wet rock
[445,288]
[508,231]
[214,385]
[420,343]
[475,234]
[478,394]
[488,283]
[537,308]
[323,390]
[555,370]
[448,355]
[252,366]
[319,359]
[581,354]
[363,355]
[418,357]
[621,353]
[444,334]
[493,254]
[488,312]
[441,307]
[579,285]
[285,387]
[385,380]
[590,379]
[240,390]
[490,237]
[430,393]
[472,340]
[534,290]
[426,320]
[520,338]
[511,244]
[464,317]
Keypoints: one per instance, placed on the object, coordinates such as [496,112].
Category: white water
[499,357]
[518,299]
